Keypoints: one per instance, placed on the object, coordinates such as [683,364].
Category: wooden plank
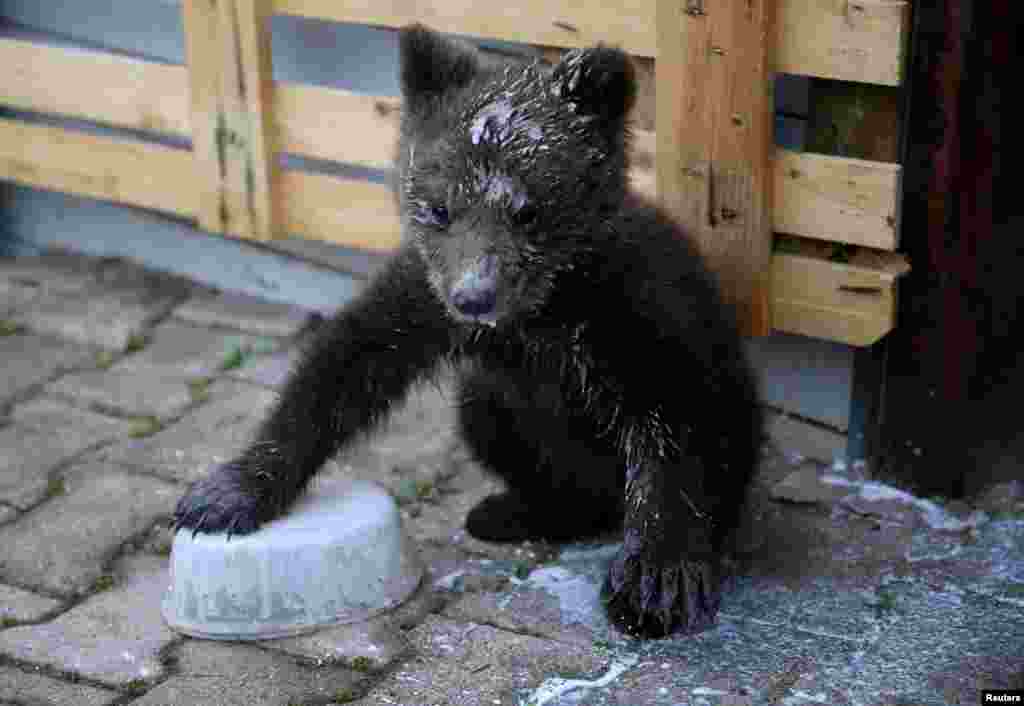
[561,23]
[849,40]
[227,46]
[852,303]
[714,140]
[835,198]
[123,171]
[337,125]
[96,86]
[356,214]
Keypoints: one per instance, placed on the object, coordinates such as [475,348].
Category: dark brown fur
[604,379]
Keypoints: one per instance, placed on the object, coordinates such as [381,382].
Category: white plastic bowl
[339,556]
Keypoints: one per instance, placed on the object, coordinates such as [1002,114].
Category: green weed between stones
[139,427]
[54,487]
[103,583]
[345,696]
[886,601]
[199,389]
[104,359]
[136,342]
[10,328]
[240,352]
[361,664]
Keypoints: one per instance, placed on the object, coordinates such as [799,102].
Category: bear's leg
[666,577]
[564,482]
[362,361]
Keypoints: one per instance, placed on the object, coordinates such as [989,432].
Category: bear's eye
[439,215]
[524,216]
[435,215]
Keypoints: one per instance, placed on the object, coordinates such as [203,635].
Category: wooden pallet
[708,70]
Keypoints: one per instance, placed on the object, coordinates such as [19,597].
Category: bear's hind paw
[650,600]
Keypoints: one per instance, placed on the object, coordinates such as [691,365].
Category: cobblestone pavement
[118,385]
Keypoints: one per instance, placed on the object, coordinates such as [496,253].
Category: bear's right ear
[432,64]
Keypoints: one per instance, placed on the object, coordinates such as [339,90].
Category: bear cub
[600,373]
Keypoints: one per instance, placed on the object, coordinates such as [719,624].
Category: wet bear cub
[600,374]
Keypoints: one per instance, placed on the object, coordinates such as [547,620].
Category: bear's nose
[474,302]
[476,292]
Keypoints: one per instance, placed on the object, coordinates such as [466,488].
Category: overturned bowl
[339,556]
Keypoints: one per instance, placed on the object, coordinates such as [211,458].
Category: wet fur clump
[600,373]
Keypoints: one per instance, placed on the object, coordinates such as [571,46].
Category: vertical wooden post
[714,136]
[227,47]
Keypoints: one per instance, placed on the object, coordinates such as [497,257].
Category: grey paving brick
[245,312]
[468,663]
[16,295]
[800,440]
[27,459]
[105,319]
[376,643]
[127,392]
[179,349]
[7,513]
[70,426]
[60,273]
[211,434]
[114,637]
[223,674]
[24,606]
[30,359]
[125,276]
[62,546]
[21,686]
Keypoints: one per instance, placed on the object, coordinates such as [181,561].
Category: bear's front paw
[218,502]
[653,599]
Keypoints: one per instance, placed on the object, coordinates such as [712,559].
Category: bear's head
[508,172]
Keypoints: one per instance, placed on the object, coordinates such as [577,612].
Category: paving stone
[805,485]
[933,633]
[63,273]
[19,686]
[801,440]
[150,286]
[27,460]
[30,359]
[225,674]
[102,318]
[25,463]
[71,426]
[176,349]
[536,611]
[211,434]
[114,637]
[468,663]
[131,393]
[16,295]
[24,606]
[62,546]
[370,645]
[245,312]
[7,513]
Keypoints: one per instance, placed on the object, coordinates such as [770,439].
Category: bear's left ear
[431,64]
[601,81]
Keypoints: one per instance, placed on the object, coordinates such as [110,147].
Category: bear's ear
[431,64]
[601,81]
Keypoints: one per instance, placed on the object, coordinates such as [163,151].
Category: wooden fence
[708,66]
